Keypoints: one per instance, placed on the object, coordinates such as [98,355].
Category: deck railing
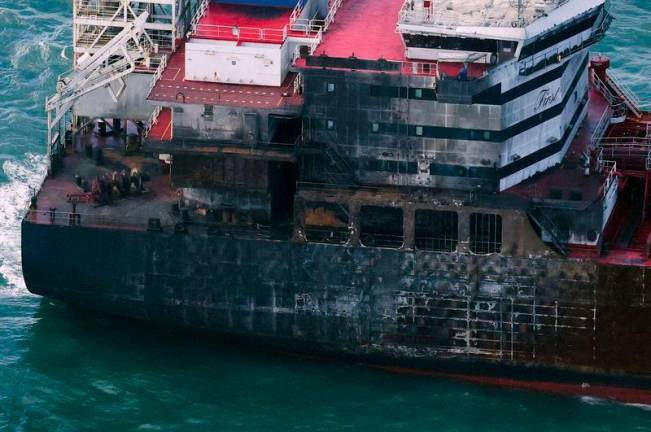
[158,74]
[241,33]
[600,129]
[609,169]
[153,120]
[632,101]
[76,219]
[201,11]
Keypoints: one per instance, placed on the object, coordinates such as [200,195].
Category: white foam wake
[23,176]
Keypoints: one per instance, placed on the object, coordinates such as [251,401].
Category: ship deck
[173,88]
[244,23]
[158,198]
[366,30]
[54,200]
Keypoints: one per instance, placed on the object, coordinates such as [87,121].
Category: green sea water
[65,370]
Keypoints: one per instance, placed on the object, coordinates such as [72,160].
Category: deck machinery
[429,186]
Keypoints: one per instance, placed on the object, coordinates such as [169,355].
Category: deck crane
[110,64]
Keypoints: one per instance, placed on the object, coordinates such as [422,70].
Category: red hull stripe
[620,394]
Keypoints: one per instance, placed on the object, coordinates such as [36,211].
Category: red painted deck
[254,23]
[162,129]
[173,87]
[365,29]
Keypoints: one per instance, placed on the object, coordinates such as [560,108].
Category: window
[419,131]
[381,226]
[208,110]
[326,222]
[418,93]
[485,233]
[330,124]
[375,127]
[436,230]
[331,87]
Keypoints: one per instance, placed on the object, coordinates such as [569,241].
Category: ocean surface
[64,370]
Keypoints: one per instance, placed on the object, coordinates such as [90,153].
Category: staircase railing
[153,120]
[600,129]
[159,73]
[632,101]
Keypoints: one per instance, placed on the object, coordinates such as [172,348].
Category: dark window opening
[285,129]
[555,194]
[282,186]
[485,233]
[458,43]
[436,230]
[390,166]
[381,226]
[208,110]
[326,223]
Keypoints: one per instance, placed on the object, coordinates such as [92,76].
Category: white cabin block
[231,62]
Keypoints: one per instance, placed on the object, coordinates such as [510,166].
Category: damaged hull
[545,323]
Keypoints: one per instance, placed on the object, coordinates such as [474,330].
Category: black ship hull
[553,324]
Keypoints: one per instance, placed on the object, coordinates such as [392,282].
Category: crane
[111,63]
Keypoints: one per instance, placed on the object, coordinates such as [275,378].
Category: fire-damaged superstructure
[433,186]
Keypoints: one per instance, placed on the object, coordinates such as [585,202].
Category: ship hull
[544,323]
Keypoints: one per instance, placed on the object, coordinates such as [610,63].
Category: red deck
[365,29]
[173,87]
[162,129]
[254,23]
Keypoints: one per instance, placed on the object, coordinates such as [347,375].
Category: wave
[23,177]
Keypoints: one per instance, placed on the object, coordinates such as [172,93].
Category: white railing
[159,73]
[240,33]
[421,68]
[608,168]
[439,14]
[632,100]
[600,129]
[153,120]
[201,11]
[296,13]
[330,18]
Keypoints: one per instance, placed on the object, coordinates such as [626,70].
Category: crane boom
[111,63]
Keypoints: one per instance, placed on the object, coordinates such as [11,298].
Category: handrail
[201,11]
[296,12]
[77,219]
[624,140]
[241,33]
[609,168]
[630,98]
[410,13]
[159,73]
[153,120]
[600,129]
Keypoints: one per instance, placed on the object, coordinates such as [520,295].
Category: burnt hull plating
[551,324]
